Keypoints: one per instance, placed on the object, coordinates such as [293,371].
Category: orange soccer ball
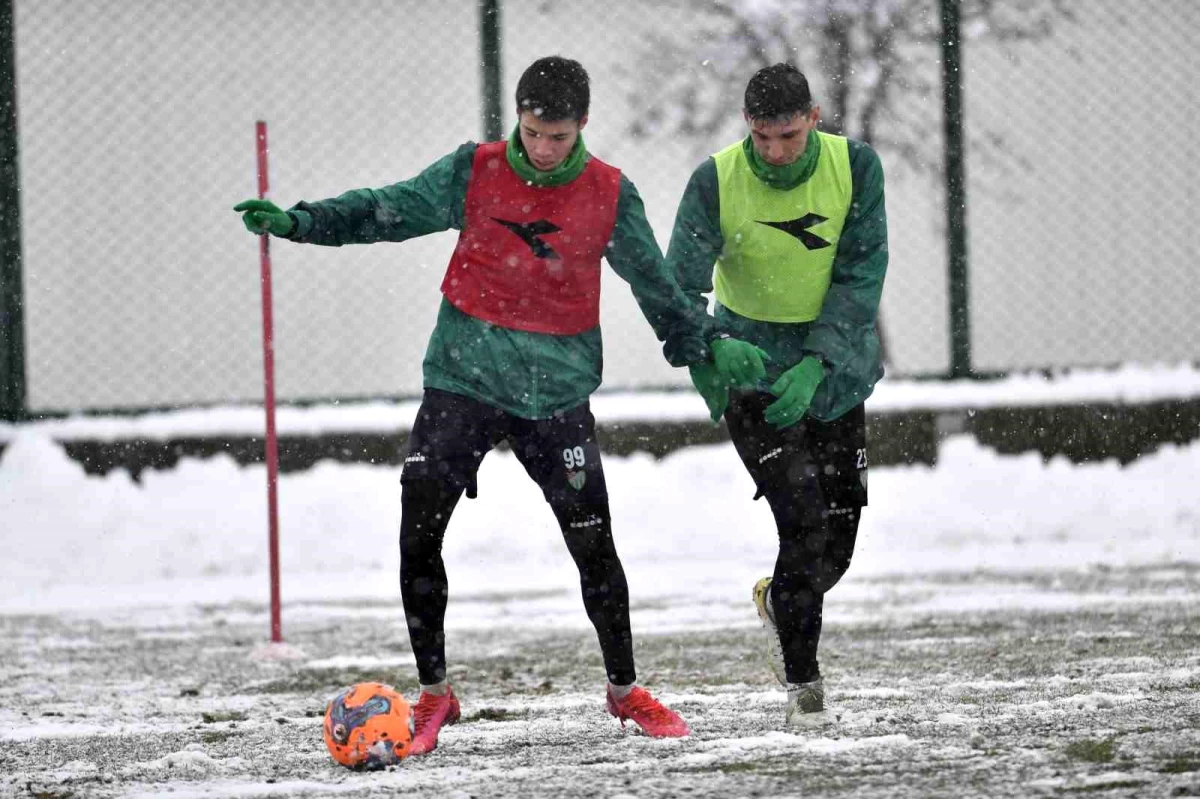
[369,725]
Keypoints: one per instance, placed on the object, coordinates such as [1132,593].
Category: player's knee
[828,574]
[587,532]
[584,525]
[835,560]
[425,508]
[423,494]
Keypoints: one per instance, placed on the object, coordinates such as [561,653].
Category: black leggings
[815,548]
[813,475]
[426,507]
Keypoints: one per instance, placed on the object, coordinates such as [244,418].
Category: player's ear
[583,121]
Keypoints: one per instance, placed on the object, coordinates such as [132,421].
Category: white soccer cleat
[774,648]
[806,706]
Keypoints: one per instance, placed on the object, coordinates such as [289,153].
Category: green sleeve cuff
[301,224]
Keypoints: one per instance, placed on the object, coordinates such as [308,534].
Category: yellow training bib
[780,243]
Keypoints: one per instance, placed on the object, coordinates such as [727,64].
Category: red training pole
[264,252]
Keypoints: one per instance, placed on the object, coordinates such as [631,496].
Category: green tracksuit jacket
[530,375]
[844,333]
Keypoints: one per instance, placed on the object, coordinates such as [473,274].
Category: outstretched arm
[430,202]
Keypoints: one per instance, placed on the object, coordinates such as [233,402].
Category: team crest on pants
[577,479]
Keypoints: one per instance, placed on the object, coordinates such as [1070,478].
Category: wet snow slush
[1089,697]
[1010,627]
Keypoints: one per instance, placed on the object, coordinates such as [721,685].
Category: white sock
[438,688]
[621,691]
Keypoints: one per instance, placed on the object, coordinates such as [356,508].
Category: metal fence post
[489,48]
[956,195]
[12,327]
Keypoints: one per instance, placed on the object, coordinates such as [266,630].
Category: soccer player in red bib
[516,353]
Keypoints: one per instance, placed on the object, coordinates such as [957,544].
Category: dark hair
[554,88]
[779,90]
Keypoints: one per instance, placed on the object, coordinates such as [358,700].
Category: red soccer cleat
[431,712]
[655,719]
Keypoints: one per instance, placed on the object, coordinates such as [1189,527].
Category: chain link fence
[137,137]
[1081,204]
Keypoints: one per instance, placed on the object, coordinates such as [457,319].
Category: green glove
[264,216]
[795,389]
[712,386]
[739,362]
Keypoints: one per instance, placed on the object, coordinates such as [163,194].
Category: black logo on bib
[529,233]
[799,228]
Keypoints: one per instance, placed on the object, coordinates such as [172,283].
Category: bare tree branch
[876,60]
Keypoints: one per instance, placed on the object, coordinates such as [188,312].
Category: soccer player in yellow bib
[794,220]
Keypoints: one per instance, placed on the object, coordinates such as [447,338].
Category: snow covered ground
[1009,627]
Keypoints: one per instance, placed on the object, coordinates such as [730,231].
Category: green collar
[568,170]
[791,175]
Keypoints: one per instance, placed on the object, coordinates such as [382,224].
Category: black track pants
[813,475]
[814,553]
[426,510]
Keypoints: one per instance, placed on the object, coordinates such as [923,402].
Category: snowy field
[1009,627]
